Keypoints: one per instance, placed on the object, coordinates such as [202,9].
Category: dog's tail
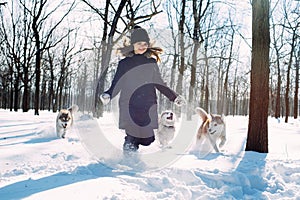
[73,109]
[203,114]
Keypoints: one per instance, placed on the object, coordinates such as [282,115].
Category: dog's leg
[58,132]
[163,143]
[199,134]
[213,143]
[64,134]
[223,140]
[166,145]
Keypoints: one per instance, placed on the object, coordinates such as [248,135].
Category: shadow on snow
[26,188]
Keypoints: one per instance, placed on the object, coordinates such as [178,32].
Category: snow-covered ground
[34,164]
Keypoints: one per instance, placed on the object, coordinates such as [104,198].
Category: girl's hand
[179,101]
[105,98]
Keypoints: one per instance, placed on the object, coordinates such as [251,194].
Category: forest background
[54,53]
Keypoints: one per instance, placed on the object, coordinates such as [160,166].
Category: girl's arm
[161,85]
[111,91]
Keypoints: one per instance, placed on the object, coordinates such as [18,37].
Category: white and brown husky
[213,127]
[65,120]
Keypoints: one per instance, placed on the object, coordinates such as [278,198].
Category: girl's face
[140,47]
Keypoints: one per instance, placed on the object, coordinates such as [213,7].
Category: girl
[136,79]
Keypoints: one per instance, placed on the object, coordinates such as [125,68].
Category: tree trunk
[193,80]
[286,97]
[257,139]
[235,92]
[287,91]
[220,99]
[16,91]
[11,94]
[181,53]
[60,89]
[196,43]
[37,58]
[26,93]
[168,104]
[277,106]
[173,70]
[278,89]
[106,57]
[98,112]
[51,83]
[26,64]
[225,95]
[296,87]
[277,46]
[37,78]
[43,93]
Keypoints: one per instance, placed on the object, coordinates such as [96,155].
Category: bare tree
[11,33]
[107,55]
[297,66]
[36,14]
[277,47]
[181,47]
[58,74]
[229,63]
[235,92]
[292,26]
[170,5]
[201,24]
[132,16]
[287,90]
[28,54]
[199,11]
[257,139]
[37,11]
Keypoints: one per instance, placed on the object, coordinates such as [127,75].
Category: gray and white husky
[65,120]
[213,127]
[166,128]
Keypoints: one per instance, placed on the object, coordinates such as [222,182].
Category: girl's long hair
[128,51]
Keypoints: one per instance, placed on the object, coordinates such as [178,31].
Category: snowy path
[34,164]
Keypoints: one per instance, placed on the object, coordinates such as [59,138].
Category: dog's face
[216,125]
[167,118]
[65,118]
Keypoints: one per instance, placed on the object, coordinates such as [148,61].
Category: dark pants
[132,143]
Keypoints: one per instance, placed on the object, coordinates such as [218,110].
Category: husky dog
[166,128]
[64,120]
[213,127]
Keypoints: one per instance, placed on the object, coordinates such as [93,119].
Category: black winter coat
[137,79]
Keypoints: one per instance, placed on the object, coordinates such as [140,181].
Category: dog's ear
[203,114]
[223,117]
[73,109]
